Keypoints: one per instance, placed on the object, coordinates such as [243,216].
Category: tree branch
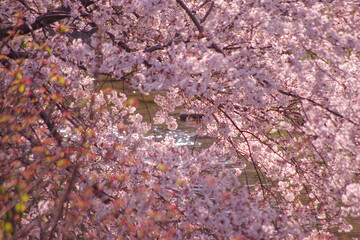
[158,47]
[319,105]
[207,13]
[63,200]
[191,15]
[217,49]
[26,6]
[41,21]
[45,115]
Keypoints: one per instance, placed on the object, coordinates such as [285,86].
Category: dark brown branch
[207,13]
[103,196]
[41,21]
[158,47]
[120,43]
[217,49]
[63,200]
[203,4]
[15,55]
[45,115]
[191,15]
[86,3]
[26,6]
[198,25]
[235,46]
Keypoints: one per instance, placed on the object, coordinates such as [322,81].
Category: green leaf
[24,44]
[81,103]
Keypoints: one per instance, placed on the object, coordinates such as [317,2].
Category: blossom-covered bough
[277,82]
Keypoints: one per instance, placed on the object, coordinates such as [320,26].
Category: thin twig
[217,49]
[158,47]
[207,13]
[27,6]
[318,104]
[203,4]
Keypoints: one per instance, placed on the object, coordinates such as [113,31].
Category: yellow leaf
[24,198]
[48,50]
[161,167]
[19,75]
[8,227]
[6,118]
[61,80]
[20,207]
[22,88]
[63,162]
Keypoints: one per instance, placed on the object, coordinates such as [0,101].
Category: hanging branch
[319,105]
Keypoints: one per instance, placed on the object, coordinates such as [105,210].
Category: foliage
[277,82]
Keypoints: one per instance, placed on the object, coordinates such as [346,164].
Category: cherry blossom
[276,84]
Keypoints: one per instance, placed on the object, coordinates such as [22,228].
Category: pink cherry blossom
[274,86]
